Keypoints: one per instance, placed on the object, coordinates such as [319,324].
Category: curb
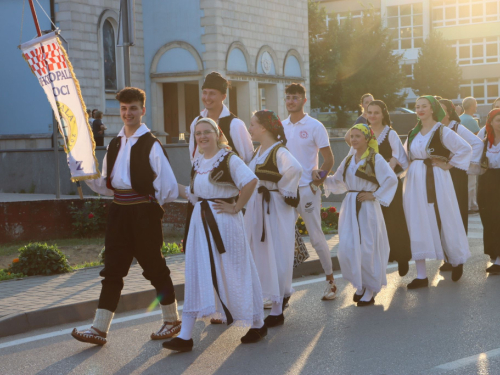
[15,324]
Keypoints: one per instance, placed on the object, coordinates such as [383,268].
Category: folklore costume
[270,220]
[488,198]
[363,243]
[390,146]
[137,172]
[221,279]
[430,204]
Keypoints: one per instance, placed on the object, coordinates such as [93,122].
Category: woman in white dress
[221,279]
[460,177]
[488,198]
[429,200]
[363,244]
[270,215]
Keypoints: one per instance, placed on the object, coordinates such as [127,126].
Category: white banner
[50,64]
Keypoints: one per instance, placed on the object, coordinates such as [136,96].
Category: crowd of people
[402,202]
[98,128]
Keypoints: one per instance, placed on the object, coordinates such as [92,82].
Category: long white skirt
[274,256]
[237,277]
[363,263]
[426,243]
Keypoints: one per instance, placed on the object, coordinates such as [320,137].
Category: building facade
[473,27]
[260,46]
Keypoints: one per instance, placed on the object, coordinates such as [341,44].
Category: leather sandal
[165,332]
[90,336]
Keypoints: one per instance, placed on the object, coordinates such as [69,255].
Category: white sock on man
[187,327]
[277,308]
[497,262]
[102,320]
[421,270]
[169,312]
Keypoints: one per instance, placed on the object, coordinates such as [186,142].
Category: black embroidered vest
[365,171]
[225,126]
[220,175]
[141,173]
[385,150]
[268,171]
[435,148]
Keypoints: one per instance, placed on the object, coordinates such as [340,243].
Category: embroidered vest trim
[220,175]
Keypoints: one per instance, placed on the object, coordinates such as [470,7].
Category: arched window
[109,53]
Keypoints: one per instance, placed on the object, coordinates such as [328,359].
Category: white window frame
[399,28]
[471,43]
[443,5]
[485,99]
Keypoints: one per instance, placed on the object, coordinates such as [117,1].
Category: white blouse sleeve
[242,140]
[335,184]
[290,170]
[387,180]
[398,151]
[240,172]
[477,149]
[99,184]
[165,183]
[461,150]
[482,133]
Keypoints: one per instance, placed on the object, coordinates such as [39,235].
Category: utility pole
[126,40]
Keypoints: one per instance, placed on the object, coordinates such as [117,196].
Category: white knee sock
[367,296]
[497,262]
[421,271]
[257,324]
[277,308]
[102,320]
[187,327]
[360,292]
[169,312]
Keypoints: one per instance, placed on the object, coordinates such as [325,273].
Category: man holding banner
[137,173]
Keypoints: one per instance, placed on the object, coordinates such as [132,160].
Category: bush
[90,219]
[6,275]
[329,221]
[40,259]
[171,249]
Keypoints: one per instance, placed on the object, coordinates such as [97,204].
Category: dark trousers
[134,231]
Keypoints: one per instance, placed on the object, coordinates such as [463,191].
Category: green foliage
[40,259]
[90,219]
[436,71]
[102,254]
[171,249]
[86,265]
[6,275]
[351,59]
[329,221]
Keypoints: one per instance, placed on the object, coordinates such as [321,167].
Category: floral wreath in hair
[271,121]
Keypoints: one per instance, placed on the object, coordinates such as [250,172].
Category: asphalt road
[449,328]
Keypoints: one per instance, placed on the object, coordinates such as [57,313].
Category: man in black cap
[214,92]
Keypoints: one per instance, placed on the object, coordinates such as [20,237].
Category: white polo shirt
[304,139]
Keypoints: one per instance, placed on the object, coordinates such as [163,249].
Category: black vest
[268,171]
[225,127]
[385,150]
[141,173]
[220,175]
[365,171]
[435,148]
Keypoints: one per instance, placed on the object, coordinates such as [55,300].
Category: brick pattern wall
[79,21]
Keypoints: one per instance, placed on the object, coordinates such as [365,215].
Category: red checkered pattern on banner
[48,60]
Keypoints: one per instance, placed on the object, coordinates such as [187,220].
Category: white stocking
[257,324]
[187,327]
[421,271]
[367,296]
[277,308]
[497,262]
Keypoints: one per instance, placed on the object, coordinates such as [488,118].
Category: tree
[351,59]
[436,71]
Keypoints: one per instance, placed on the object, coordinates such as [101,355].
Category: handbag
[301,254]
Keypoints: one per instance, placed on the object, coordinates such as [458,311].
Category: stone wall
[81,24]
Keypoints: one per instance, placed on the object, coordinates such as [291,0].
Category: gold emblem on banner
[69,127]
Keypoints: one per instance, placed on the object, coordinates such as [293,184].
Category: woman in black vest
[430,204]
[459,176]
[221,279]
[391,148]
[270,215]
[488,198]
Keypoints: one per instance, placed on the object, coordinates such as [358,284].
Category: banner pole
[35,18]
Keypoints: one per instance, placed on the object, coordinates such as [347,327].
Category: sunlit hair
[468,102]
[386,120]
[295,88]
[495,102]
[362,99]
[131,94]
[450,110]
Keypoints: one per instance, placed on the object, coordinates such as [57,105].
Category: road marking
[467,361]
